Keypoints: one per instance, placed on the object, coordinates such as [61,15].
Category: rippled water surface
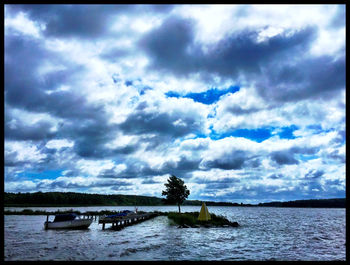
[265,234]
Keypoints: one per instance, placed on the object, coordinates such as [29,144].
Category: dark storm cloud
[238,110]
[91,137]
[236,159]
[240,51]
[167,45]
[280,65]
[108,173]
[276,176]
[314,174]
[284,157]
[171,47]
[81,21]
[85,123]
[16,130]
[181,168]
[137,168]
[161,123]
[233,160]
[309,78]
[336,155]
[216,183]
[304,150]
[11,159]
[25,89]
[84,21]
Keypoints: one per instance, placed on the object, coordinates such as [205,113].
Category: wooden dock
[120,222]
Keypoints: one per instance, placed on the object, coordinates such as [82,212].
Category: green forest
[86,199]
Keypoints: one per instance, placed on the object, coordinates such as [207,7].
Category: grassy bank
[190,219]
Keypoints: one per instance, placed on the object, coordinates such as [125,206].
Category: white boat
[71,220]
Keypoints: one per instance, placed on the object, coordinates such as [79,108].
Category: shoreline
[101,212]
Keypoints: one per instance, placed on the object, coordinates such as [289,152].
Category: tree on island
[176,191]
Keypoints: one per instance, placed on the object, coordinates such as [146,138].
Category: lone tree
[176,191]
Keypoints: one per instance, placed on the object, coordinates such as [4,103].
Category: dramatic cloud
[246,103]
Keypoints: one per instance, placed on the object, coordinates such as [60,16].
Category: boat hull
[74,224]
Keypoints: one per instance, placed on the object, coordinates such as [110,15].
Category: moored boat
[69,221]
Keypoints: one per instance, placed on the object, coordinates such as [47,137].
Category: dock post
[103,226]
[47,221]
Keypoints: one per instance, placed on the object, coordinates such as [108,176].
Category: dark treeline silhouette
[76,199]
[209,203]
[86,199]
[320,203]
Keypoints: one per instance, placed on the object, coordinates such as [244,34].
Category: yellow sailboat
[204,213]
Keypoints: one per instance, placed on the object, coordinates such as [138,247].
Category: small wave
[129,251]
[155,235]
[319,238]
[50,248]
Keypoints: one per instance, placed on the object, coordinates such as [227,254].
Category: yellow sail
[204,213]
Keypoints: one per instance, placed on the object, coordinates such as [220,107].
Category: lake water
[266,233]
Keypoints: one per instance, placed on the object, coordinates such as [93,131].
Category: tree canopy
[176,191]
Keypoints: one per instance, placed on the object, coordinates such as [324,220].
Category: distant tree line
[86,199]
[76,199]
[320,203]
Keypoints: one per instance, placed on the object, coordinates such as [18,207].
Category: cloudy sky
[245,103]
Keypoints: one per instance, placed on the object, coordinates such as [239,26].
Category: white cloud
[58,144]
[25,151]
[23,24]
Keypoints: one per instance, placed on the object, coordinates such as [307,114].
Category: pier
[119,222]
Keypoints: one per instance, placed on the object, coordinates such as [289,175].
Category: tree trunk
[179,208]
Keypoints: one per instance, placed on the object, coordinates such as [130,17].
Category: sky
[245,103]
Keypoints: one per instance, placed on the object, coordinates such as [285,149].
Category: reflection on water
[265,234]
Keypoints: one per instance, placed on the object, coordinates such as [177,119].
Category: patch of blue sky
[208,97]
[145,88]
[258,135]
[287,132]
[47,174]
[128,83]
[307,157]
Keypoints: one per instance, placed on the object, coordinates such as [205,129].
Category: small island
[190,219]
